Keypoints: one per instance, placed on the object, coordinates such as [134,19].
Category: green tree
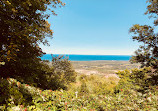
[147,54]
[23,27]
[59,73]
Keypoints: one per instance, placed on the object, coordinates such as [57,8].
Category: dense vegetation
[28,83]
[24,26]
[89,93]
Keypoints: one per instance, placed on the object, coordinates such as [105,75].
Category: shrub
[54,77]
[137,79]
[60,73]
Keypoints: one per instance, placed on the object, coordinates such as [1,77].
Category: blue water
[90,57]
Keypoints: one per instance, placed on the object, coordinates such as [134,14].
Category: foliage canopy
[147,54]
[23,27]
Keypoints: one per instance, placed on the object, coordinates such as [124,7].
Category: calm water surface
[89,57]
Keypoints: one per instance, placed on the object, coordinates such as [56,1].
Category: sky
[96,27]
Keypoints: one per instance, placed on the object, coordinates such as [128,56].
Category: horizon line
[94,54]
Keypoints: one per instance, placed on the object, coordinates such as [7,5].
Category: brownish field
[108,68]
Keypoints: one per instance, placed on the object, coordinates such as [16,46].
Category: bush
[137,79]
[57,76]
[60,73]
[48,100]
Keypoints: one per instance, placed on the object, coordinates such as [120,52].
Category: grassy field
[101,67]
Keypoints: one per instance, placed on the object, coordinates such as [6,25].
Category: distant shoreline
[100,60]
[90,54]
